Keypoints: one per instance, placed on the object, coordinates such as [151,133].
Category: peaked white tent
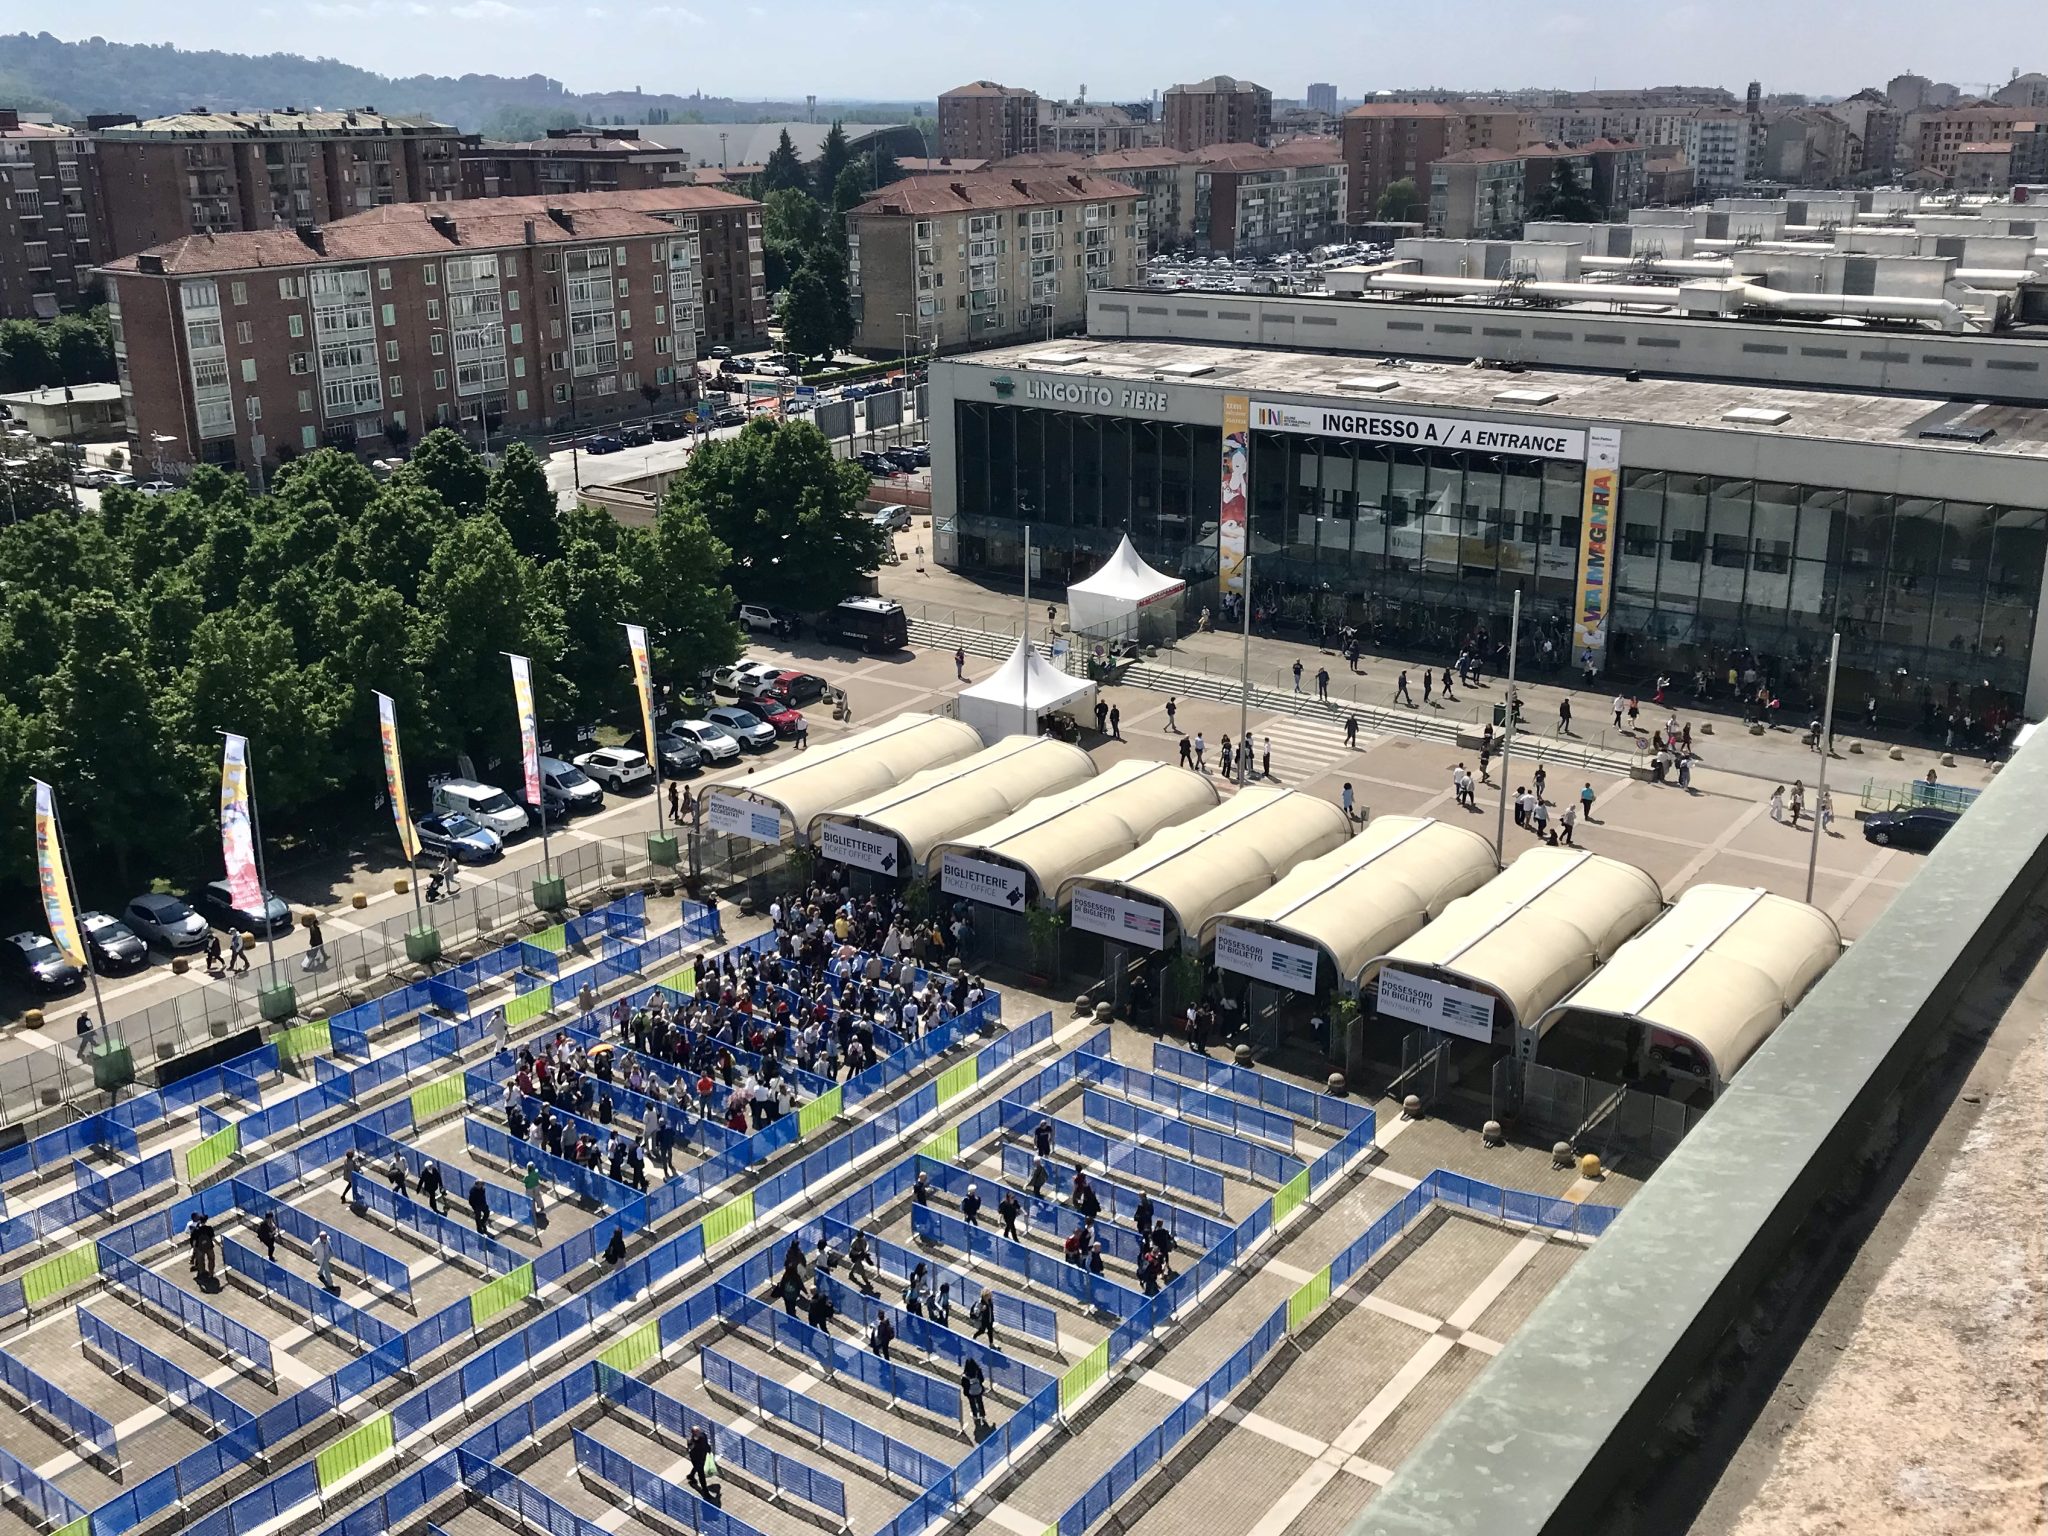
[1126,599]
[1020,693]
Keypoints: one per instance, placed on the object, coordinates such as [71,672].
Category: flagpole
[262,877]
[92,975]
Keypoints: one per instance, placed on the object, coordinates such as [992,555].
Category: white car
[772,371]
[156,488]
[615,767]
[729,679]
[892,519]
[717,745]
[755,733]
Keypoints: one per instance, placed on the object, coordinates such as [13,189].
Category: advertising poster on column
[1234,519]
[1596,547]
[237,832]
[1437,1004]
[731,816]
[57,909]
[1265,958]
[394,775]
[978,880]
[529,734]
[1114,917]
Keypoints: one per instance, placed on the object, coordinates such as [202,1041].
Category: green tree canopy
[1400,203]
[783,170]
[807,321]
[833,156]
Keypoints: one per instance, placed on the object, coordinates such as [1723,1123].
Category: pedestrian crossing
[1304,750]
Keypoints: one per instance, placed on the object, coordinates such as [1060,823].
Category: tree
[853,186]
[792,226]
[244,676]
[522,501]
[683,595]
[1566,197]
[790,513]
[829,262]
[832,159]
[807,320]
[783,170]
[650,392]
[451,468]
[1400,203]
[593,583]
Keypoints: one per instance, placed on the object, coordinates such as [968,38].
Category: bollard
[1336,1085]
[1083,1004]
[1490,1133]
[1411,1107]
[1589,1167]
[1104,1012]
[1561,1154]
[358,900]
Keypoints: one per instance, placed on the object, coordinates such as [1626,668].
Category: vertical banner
[1596,547]
[237,834]
[529,735]
[394,775]
[643,681]
[58,911]
[1234,531]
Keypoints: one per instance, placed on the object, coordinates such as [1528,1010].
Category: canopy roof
[1126,578]
[1059,835]
[966,794]
[1534,931]
[1197,868]
[996,706]
[1361,899]
[1721,969]
[864,763]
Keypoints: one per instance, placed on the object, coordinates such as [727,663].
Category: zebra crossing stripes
[1303,750]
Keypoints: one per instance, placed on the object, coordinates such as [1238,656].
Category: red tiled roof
[921,195]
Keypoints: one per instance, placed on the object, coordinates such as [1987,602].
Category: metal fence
[1881,796]
[1603,1118]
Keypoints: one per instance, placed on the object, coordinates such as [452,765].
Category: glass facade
[1935,599]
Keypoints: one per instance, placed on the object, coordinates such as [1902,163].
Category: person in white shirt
[323,1259]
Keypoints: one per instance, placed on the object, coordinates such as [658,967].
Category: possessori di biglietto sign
[1460,432]
[1265,958]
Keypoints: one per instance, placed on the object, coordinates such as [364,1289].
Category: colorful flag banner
[237,832]
[394,775]
[58,911]
[643,680]
[529,735]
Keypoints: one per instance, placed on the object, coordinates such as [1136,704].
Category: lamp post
[1244,692]
[1507,738]
[1826,744]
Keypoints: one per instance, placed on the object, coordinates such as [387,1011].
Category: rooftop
[938,165]
[1401,109]
[985,88]
[1213,86]
[1580,398]
[922,195]
[202,123]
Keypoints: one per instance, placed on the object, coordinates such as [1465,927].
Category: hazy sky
[916,48]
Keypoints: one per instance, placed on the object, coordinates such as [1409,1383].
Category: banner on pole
[1234,520]
[237,833]
[643,683]
[394,775]
[58,911]
[529,734]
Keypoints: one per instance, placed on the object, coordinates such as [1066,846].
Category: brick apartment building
[206,172]
[1388,141]
[508,315]
[569,161]
[985,121]
[1218,110]
[939,265]
[1936,136]
[52,232]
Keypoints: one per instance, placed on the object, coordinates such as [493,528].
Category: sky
[913,49]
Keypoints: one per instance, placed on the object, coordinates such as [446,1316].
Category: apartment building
[1478,194]
[204,172]
[1251,201]
[1219,110]
[986,121]
[1389,141]
[568,161]
[1937,134]
[940,265]
[514,314]
[52,231]
[1088,129]
[1321,97]
[1718,146]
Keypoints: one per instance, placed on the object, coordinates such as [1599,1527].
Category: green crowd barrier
[1290,1195]
[1308,1299]
[212,1151]
[554,940]
[58,1274]
[944,1147]
[488,1301]
[302,1041]
[634,1350]
[729,1220]
[1083,1374]
[437,1097]
[528,1006]
[820,1112]
[353,1451]
[82,1526]
[684,980]
[956,1080]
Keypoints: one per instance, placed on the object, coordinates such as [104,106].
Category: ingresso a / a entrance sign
[1437,1004]
[1129,922]
[1265,958]
[997,884]
[730,816]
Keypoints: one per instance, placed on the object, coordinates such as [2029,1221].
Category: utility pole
[1244,692]
[1827,750]
[1507,739]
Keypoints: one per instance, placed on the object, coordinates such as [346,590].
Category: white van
[483,803]
[565,785]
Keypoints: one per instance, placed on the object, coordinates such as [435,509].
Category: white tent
[1020,693]
[1123,599]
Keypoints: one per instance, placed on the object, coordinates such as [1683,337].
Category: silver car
[752,732]
[716,743]
[167,921]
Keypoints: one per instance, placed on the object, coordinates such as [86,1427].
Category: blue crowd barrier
[345,1040]
[774,1401]
[700,923]
[1260,1087]
[900,1383]
[1250,1158]
[180,1388]
[763,1464]
[188,1310]
[436,1229]
[1146,1164]
[359,1258]
[1248,1121]
[1014,1313]
[588,1184]
[59,1407]
[1042,1218]
[1192,1229]
[937,1341]
[44,1497]
[365,1327]
[542,962]
[394,1507]
[652,1491]
[1098,1291]
[513,1205]
[528,1504]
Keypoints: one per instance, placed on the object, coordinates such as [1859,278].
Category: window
[521,398]
[252,406]
[390,351]
[624,290]
[295,325]
[384,279]
[629,382]
[657,282]
[561,393]
[620,255]
[433,274]
[518,367]
[302,362]
[553,262]
[291,287]
[433,306]
[512,298]
[626,351]
[248,370]
[245,333]
[240,292]
[625,319]
[397,383]
[437,343]
[440,378]
[309,438]
[661,314]
[518,333]
[508,266]
[390,315]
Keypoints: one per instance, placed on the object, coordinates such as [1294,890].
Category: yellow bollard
[400,886]
[1589,1167]
[358,900]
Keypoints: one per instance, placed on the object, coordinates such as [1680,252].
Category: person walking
[1565,823]
[1685,772]
[1172,708]
[1564,717]
[675,801]
[215,966]
[975,1390]
[698,1449]
[1428,680]
[1541,782]
[201,1236]
[1102,717]
[266,1234]
[1824,808]
[983,1315]
[1200,747]
[430,1188]
[960,663]
[396,1174]
[1297,674]
[970,1206]
[1798,801]
[1778,804]
[1344,799]
[1187,753]
[881,1334]
[1401,693]
[1586,803]
[316,946]
[803,733]
[1116,723]
[1009,1208]
[1323,684]
[351,1168]
[531,1184]
[1041,1138]
[323,1260]
[1351,732]
[1227,757]
[480,1208]
[1620,704]
[238,952]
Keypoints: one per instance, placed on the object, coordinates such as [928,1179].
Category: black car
[603,444]
[731,416]
[216,903]
[39,964]
[668,429]
[556,813]
[680,755]
[905,459]
[1918,828]
[874,463]
[638,435]
[115,948]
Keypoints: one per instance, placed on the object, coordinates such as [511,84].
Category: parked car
[468,840]
[738,365]
[668,429]
[636,434]
[776,715]
[714,741]
[568,786]
[874,463]
[111,479]
[920,453]
[485,803]
[156,488]
[114,947]
[765,617]
[38,964]
[1918,828]
[216,903]
[721,352]
[773,370]
[552,812]
[616,767]
[800,687]
[603,443]
[89,478]
[167,921]
[731,416]
[893,519]
[679,754]
[751,731]
[903,459]
[729,679]
[758,691]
